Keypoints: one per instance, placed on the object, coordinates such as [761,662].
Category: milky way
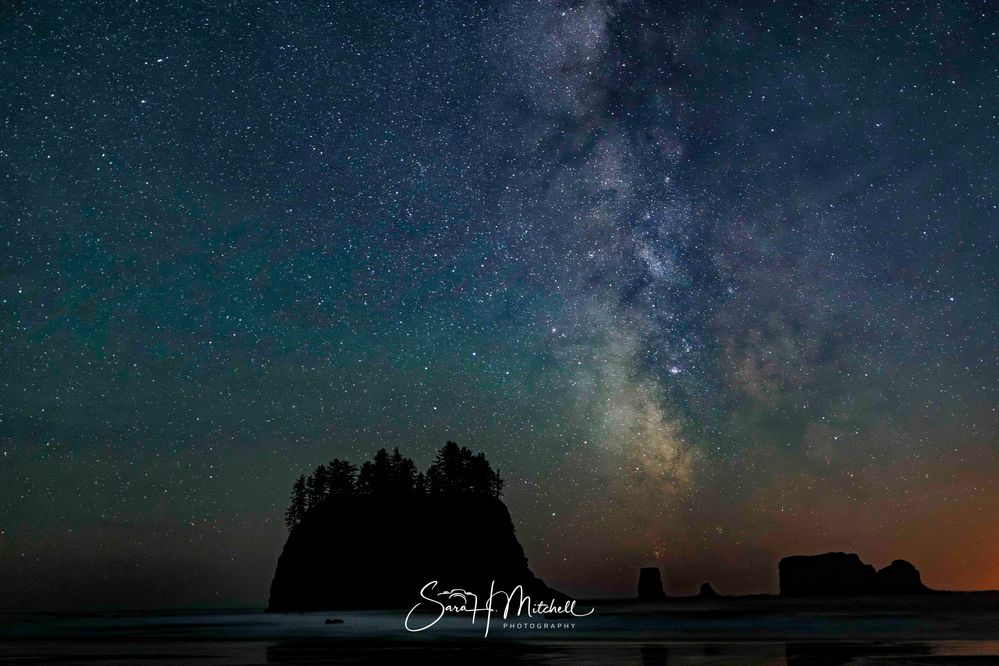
[709,282]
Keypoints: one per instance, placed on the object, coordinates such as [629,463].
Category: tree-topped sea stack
[373,538]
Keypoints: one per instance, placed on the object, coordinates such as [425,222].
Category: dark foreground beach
[931,629]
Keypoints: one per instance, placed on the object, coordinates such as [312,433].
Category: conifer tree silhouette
[317,485]
[454,471]
[299,503]
[449,473]
[403,474]
[375,477]
[342,478]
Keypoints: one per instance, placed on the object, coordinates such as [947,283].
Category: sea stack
[707,592]
[900,577]
[650,584]
[844,574]
[346,553]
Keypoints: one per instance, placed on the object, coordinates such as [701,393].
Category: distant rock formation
[707,592]
[900,577]
[844,574]
[369,551]
[650,584]
[829,574]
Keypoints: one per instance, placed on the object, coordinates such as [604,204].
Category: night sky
[710,283]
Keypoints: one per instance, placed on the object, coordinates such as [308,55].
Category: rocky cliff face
[378,552]
[844,574]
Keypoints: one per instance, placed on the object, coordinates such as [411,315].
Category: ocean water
[775,632]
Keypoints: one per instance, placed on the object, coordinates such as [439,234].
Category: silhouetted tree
[421,484]
[342,478]
[318,486]
[482,478]
[375,477]
[402,475]
[496,484]
[299,503]
[448,473]
[365,478]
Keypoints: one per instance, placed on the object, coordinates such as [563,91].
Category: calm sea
[721,632]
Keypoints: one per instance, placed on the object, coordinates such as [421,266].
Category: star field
[710,283]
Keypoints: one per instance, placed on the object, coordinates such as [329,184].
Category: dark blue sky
[709,282]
